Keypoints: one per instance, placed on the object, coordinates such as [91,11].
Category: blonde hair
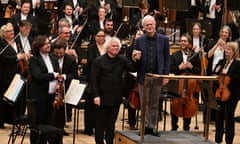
[235,48]
[5,28]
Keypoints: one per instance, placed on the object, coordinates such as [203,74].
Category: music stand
[130,3]
[123,31]
[178,5]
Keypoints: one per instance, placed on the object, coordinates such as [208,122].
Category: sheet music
[75,92]
[14,88]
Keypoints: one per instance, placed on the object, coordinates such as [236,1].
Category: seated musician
[184,62]
[227,68]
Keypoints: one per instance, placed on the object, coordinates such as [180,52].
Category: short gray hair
[148,17]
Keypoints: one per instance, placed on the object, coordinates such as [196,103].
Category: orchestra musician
[65,33]
[95,49]
[181,64]
[77,5]
[131,85]
[24,44]
[136,20]
[9,65]
[225,113]
[213,12]
[25,15]
[151,53]
[97,23]
[43,68]
[68,68]
[68,14]
[108,25]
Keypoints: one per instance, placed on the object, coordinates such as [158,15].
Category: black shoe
[153,132]
[2,126]
[88,132]
[65,133]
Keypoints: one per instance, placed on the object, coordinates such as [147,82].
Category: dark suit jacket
[177,59]
[163,57]
[8,66]
[234,73]
[15,19]
[69,68]
[20,45]
[39,85]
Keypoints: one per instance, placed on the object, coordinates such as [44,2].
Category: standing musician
[182,64]
[229,67]
[24,44]
[77,5]
[68,14]
[94,50]
[213,12]
[65,33]
[43,69]
[215,52]
[131,86]
[109,28]
[136,20]
[9,65]
[68,69]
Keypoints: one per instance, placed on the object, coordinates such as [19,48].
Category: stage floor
[169,137]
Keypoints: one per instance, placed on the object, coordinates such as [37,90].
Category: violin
[223,93]
[59,94]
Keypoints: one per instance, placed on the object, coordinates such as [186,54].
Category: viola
[223,93]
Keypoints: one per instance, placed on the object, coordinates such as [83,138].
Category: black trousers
[186,122]
[225,121]
[106,117]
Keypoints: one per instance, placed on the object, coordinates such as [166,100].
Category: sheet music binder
[14,89]
[75,92]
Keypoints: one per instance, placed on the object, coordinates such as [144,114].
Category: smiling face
[149,25]
[46,47]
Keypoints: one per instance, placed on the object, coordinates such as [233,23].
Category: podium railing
[207,86]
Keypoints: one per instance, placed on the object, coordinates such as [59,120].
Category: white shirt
[218,55]
[196,44]
[25,43]
[211,13]
[48,63]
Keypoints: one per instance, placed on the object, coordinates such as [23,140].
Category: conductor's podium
[170,137]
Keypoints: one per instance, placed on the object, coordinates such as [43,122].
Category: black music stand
[130,3]
[179,5]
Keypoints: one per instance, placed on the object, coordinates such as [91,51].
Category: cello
[186,106]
